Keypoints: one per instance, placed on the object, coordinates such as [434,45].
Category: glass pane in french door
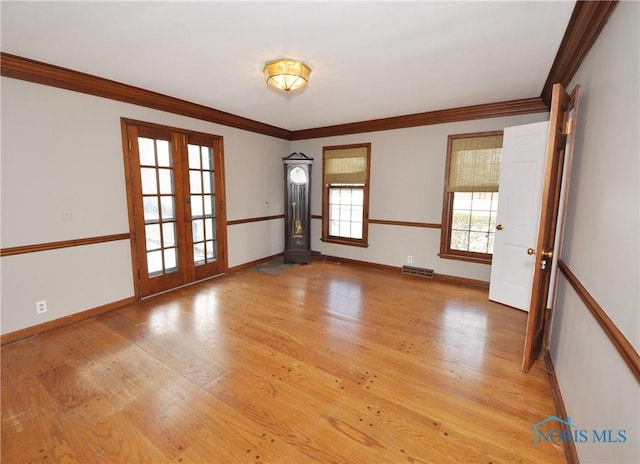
[202,200]
[158,201]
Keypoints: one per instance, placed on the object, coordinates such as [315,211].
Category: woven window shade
[345,166]
[475,164]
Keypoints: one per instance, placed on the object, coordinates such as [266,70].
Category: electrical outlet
[409,259]
[41,307]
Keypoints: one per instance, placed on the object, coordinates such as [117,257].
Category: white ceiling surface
[369,60]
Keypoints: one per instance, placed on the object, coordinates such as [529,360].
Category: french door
[175,189]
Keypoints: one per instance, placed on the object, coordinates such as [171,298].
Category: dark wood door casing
[187,270]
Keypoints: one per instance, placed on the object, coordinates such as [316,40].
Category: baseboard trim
[398,269]
[60,322]
[561,411]
[356,262]
[54,324]
[461,281]
[253,263]
[49,325]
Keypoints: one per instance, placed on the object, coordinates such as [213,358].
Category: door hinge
[568,128]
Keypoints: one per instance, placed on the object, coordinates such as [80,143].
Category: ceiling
[369,60]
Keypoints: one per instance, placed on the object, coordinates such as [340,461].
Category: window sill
[339,241]
[466,257]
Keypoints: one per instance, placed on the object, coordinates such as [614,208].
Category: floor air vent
[418,272]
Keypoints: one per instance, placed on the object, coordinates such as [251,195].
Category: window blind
[345,165]
[475,164]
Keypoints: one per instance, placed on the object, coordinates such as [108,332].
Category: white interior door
[521,181]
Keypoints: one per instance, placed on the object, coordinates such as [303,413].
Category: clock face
[298,176]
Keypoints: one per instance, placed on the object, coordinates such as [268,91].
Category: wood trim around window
[346,241]
[465,256]
[179,139]
[447,210]
[325,237]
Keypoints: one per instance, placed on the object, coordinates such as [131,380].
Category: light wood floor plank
[321,363]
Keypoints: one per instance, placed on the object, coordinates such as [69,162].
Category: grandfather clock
[297,212]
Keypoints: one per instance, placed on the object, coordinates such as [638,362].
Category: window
[471,196]
[345,197]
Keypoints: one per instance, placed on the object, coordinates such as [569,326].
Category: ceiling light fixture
[286,74]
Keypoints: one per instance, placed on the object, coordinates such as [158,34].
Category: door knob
[547,254]
[499,227]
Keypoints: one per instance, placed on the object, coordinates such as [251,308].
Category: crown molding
[17,67]
[55,76]
[586,23]
[465,113]
[587,20]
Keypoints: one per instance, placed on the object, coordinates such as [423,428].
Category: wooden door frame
[574,97]
[157,284]
[125,123]
[220,199]
[559,150]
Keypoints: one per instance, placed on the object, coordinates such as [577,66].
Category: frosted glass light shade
[286,74]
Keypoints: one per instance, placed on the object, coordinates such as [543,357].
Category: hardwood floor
[322,363]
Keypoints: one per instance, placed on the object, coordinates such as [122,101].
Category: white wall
[62,151]
[407,183]
[602,243]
